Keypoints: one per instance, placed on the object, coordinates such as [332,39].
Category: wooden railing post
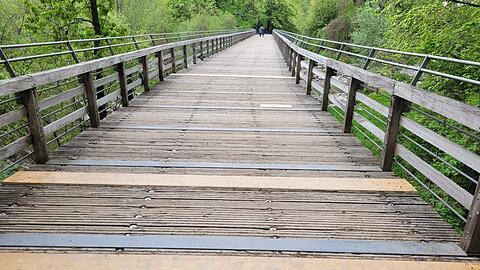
[146,79]
[40,148]
[350,106]
[294,62]
[201,50]
[208,49]
[299,68]
[122,79]
[311,65]
[289,61]
[173,60]
[326,87]
[194,54]
[397,107]
[161,76]
[185,56]
[470,241]
[91,94]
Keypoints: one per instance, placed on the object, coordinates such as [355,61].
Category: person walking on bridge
[262,31]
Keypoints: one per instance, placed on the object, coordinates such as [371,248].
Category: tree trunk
[97,28]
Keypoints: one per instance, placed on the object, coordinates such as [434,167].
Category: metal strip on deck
[272,130]
[231,76]
[226,108]
[52,240]
[215,165]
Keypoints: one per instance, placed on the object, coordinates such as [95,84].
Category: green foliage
[320,14]
[149,16]
[369,27]
[455,35]
[203,22]
[67,19]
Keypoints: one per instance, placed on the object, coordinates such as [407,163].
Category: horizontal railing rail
[41,111]
[385,111]
[16,58]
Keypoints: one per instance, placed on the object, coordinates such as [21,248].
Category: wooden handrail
[26,86]
[401,94]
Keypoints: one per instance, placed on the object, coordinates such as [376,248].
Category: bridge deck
[240,116]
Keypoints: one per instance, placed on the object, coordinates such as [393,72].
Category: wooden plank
[109,97]
[12,116]
[108,79]
[133,69]
[446,184]
[467,157]
[25,82]
[78,261]
[69,94]
[15,147]
[134,84]
[69,118]
[293,183]
[464,114]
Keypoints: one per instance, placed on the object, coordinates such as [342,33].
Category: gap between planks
[292,183]
[74,261]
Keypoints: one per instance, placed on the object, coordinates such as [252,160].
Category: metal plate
[50,240]
[214,165]
[272,130]
[225,108]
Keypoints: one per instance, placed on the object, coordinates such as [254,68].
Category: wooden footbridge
[230,161]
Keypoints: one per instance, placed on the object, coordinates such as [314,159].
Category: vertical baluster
[311,66]
[397,106]
[173,60]
[185,56]
[350,106]
[40,148]
[146,79]
[161,76]
[91,94]
[299,68]
[122,79]
[326,87]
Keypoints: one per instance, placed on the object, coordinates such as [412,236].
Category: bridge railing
[20,59]
[396,118]
[41,111]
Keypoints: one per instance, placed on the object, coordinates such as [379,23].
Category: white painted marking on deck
[232,76]
[275,106]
